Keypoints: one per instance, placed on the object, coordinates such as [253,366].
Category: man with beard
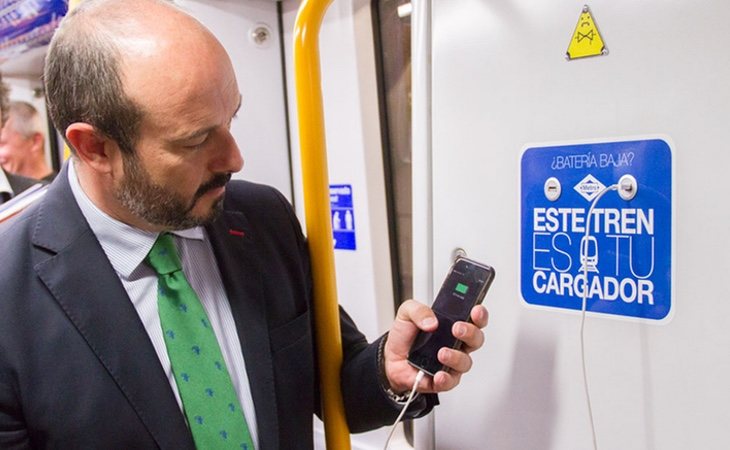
[148,302]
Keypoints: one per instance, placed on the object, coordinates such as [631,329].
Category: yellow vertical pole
[317,213]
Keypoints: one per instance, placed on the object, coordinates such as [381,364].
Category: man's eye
[197,143]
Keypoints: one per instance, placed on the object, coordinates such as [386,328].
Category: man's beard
[160,206]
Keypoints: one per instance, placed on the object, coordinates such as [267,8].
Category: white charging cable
[584,258]
[419,377]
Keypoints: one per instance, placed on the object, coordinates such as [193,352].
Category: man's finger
[480,316]
[411,317]
[418,314]
[445,381]
[455,360]
[469,334]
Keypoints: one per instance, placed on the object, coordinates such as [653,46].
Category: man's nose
[229,158]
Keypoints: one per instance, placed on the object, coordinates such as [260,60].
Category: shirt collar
[5,184]
[125,246]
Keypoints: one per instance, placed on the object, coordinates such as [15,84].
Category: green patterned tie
[209,400]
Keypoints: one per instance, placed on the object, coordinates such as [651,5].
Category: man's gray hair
[83,78]
[24,119]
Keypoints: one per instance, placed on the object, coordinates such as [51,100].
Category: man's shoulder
[20,183]
[246,195]
[264,207]
[17,229]
[50,177]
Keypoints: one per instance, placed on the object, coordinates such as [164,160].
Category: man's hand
[413,316]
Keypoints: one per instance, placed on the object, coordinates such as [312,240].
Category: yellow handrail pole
[317,213]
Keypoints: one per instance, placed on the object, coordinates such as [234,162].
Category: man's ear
[39,143]
[92,147]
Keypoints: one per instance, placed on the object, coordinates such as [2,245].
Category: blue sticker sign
[27,24]
[343,216]
[627,254]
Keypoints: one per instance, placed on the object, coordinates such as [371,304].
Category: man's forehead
[139,45]
[172,58]
[169,63]
[136,27]
[178,119]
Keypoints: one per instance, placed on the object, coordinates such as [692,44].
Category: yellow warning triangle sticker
[586,40]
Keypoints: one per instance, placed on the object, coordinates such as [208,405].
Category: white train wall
[502,92]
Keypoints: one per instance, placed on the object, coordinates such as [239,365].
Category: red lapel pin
[238,233]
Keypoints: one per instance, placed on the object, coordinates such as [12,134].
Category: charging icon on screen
[461,288]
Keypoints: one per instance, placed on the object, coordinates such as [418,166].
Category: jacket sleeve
[367,405]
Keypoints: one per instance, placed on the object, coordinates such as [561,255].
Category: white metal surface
[501,80]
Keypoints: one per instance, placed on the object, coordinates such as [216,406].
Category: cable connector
[419,377]
[627,187]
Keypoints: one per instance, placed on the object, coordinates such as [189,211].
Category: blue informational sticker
[628,253]
[27,24]
[343,216]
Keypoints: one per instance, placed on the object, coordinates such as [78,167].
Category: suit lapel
[235,249]
[88,290]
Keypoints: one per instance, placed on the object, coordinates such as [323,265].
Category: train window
[392,31]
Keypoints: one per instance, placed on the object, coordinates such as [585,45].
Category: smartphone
[465,286]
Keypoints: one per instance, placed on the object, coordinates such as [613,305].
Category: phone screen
[465,286]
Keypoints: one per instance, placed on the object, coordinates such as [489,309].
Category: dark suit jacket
[19,183]
[78,371]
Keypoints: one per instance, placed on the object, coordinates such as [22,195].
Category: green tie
[209,400]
